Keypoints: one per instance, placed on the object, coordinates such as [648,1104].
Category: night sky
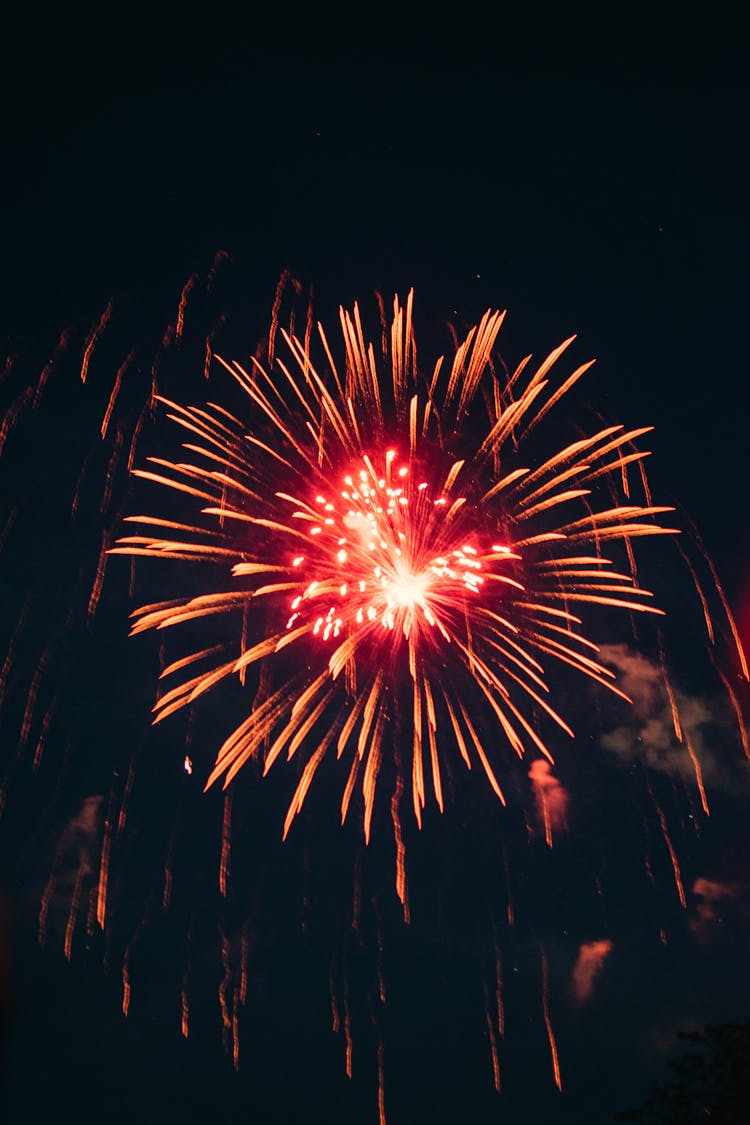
[592,177]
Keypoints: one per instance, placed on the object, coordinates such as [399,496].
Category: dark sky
[593,178]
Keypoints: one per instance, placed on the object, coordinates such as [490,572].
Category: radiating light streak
[413,570]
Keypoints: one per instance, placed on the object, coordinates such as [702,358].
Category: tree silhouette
[711,1083]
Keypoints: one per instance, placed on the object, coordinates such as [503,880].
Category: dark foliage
[711,1082]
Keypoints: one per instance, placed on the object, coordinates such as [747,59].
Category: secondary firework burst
[403,576]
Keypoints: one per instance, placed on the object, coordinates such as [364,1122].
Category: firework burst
[396,564]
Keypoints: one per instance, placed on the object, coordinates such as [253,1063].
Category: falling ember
[383,581]
[126,984]
[226,844]
[698,774]
[93,339]
[381,1083]
[548,1023]
[244,957]
[401,887]
[671,849]
[73,913]
[493,1041]
[101,897]
[185,1007]
[348,1033]
[96,589]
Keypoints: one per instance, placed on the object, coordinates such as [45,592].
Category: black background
[590,175]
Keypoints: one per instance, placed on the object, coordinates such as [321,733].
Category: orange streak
[335,1018]
[73,913]
[92,340]
[101,899]
[244,955]
[348,1033]
[548,1022]
[699,591]
[381,1083]
[499,993]
[185,1021]
[49,715]
[115,392]
[698,773]
[225,981]
[672,852]
[670,696]
[180,326]
[400,848]
[226,843]
[96,589]
[728,612]
[737,710]
[236,1029]
[126,983]
[493,1041]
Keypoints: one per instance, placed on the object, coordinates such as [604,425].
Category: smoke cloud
[591,958]
[709,894]
[652,738]
[550,796]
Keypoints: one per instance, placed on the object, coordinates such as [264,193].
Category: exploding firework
[402,573]
[392,571]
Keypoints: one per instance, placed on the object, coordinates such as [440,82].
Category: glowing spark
[384,582]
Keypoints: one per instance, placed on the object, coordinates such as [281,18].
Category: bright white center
[407,590]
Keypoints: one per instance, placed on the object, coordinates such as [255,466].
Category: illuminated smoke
[551,798]
[710,894]
[591,958]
